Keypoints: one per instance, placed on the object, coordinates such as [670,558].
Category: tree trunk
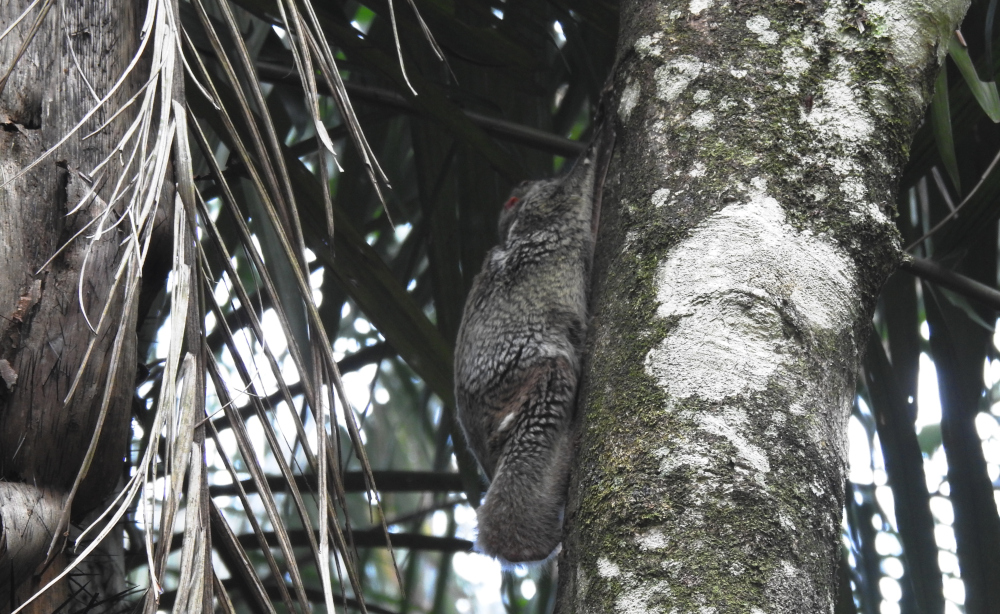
[48,312]
[747,230]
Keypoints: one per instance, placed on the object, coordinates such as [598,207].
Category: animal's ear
[521,190]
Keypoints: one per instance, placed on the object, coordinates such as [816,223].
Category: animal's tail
[521,518]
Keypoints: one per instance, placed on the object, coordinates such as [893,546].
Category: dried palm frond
[157,167]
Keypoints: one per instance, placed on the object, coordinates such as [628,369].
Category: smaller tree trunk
[50,310]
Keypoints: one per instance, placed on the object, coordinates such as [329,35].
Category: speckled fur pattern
[517,361]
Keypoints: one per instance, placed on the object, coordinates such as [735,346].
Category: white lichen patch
[833,17]
[793,62]
[649,46]
[731,423]
[631,237]
[838,117]
[702,119]
[673,77]
[817,488]
[698,169]
[787,584]
[701,96]
[879,96]
[818,192]
[911,38]
[672,460]
[758,187]
[630,98]
[877,213]
[853,189]
[660,197]
[761,26]
[654,539]
[738,73]
[845,127]
[697,6]
[732,286]
[786,522]
[607,568]
[842,166]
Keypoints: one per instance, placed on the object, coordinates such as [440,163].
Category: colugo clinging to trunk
[517,361]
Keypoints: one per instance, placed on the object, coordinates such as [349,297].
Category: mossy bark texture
[747,228]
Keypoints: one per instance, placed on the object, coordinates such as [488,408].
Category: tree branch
[505,130]
[932,271]
[354,481]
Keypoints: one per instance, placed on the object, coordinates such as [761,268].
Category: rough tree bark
[79,52]
[747,230]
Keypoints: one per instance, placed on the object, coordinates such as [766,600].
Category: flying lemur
[518,355]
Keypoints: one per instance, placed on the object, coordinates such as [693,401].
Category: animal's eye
[513,200]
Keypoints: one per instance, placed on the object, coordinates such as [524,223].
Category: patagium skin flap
[518,357]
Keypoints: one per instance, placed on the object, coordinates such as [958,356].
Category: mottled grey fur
[517,361]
